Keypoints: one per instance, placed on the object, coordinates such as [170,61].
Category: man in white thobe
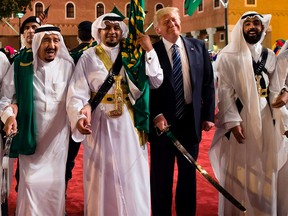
[281,103]
[42,140]
[116,167]
[243,151]
[8,165]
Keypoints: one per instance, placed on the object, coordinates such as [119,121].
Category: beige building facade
[209,22]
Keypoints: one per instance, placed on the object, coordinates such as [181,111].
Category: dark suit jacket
[201,74]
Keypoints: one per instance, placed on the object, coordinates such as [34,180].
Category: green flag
[116,11]
[191,6]
[134,62]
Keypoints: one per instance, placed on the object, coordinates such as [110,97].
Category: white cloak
[5,65]
[249,170]
[116,167]
[282,195]
[41,189]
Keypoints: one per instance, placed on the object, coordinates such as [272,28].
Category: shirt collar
[168,44]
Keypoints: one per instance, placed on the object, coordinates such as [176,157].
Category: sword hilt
[5,165]
[159,132]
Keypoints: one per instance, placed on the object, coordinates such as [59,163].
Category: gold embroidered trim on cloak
[22,64]
[104,57]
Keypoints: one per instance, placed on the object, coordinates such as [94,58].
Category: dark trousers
[4,208]
[70,163]
[163,154]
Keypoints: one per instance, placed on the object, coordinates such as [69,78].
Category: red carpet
[207,196]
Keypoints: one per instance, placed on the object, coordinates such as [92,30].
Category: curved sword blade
[203,172]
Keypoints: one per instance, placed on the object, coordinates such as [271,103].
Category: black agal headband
[113,18]
[48,28]
[251,15]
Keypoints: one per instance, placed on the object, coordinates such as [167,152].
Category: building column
[211,32]
[195,34]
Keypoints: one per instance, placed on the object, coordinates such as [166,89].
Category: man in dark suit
[187,121]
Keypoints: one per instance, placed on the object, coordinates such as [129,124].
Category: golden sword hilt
[118,96]
[258,78]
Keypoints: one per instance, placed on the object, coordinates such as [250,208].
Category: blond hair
[163,11]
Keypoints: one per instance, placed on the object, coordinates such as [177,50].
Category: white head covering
[238,42]
[99,23]
[39,34]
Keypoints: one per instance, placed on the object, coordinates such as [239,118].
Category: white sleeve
[7,94]
[153,69]
[77,96]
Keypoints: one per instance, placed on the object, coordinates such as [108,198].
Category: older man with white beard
[40,84]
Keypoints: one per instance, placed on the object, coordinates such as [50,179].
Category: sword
[5,165]
[202,171]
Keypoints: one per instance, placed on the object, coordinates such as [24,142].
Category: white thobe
[41,189]
[116,169]
[5,65]
[282,195]
[248,171]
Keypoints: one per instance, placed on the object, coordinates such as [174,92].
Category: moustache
[50,49]
[253,30]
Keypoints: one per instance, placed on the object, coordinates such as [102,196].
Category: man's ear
[157,30]
[263,27]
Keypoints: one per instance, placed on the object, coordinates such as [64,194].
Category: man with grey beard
[39,86]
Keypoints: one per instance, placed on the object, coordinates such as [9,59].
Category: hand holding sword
[5,165]
[10,126]
[203,172]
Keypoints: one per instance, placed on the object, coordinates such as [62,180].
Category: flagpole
[11,27]
[148,27]
[226,22]
[225,5]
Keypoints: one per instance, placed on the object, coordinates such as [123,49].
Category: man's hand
[144,41]
[86,110]
[281,100]
[160,122]
[10,125]
[207,125]
[238,133]
[84,124]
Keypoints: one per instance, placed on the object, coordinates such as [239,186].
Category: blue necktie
[178,82]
